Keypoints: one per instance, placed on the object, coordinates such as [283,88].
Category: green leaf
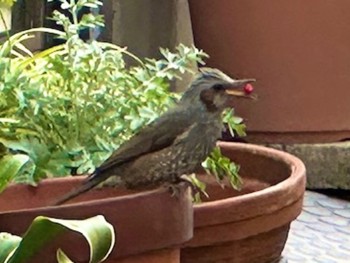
[8,244]
[221,167]
[62,257]
[10,165]
[199,185]
[96,230]
[234,123]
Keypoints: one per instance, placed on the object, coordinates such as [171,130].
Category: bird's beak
[239,88]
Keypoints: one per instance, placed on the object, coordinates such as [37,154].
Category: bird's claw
[174,189]
[195,188]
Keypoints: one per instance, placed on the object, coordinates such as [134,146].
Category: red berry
[248,88]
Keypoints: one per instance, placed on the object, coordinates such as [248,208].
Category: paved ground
[321,234]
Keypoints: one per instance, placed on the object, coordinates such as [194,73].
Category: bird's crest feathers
[214,73]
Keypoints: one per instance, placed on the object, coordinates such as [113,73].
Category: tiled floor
[321,234]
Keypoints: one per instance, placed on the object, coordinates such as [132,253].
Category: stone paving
[321,234]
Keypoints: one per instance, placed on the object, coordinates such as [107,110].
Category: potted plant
[54,103]
[250,225]
[63,111]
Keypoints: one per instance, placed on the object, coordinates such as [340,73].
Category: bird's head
[214,89]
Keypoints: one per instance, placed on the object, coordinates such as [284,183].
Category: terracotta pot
[299,53]
[150,225]
[251,225]
[145,25]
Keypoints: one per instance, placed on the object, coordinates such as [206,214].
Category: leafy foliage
[75,103]
[234,123]
[68,107]
[96,230]
[222,167]
[7,2]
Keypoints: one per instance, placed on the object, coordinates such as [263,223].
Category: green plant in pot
[68,107]
[64,110]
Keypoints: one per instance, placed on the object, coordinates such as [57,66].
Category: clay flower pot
[251,225]
[303,76]
[150,225]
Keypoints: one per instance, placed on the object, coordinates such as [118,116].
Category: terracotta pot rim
[149,220]
[84,203]
[290,189]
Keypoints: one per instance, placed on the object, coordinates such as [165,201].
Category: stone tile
[309,202]
[335,220]
[287,249]
[345,246]
[337,237]
[343,213]
[293,261]
[283,260]
[306,217]
[308,234]
[310,251]
[319,243]
[311,195]
[295,241]
[297,226]
[296,258]
[332,203]
[337,254]
[322,227]
[323,259]
[318,211]
[321,234]
[345,230]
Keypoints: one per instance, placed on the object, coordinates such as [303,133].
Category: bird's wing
[156,136]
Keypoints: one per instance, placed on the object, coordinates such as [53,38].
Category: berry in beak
[241,88]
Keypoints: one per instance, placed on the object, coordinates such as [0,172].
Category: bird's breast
[184,156]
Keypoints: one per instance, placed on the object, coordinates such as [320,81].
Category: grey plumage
[174,144]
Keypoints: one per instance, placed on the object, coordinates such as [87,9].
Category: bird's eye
[218,87]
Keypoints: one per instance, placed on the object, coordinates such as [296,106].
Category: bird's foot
[174,189]
[197,187]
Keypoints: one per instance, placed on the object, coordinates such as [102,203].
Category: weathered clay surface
[259,248]
[282,44]
[159,256]
[327,164]
[249,226]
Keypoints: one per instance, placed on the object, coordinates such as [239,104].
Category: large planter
[251,225]
[150,226]
[143,26]
[299,53]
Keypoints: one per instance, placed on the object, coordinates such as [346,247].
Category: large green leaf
[96,230]
[10,165]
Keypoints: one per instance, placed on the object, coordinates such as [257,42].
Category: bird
[175,143]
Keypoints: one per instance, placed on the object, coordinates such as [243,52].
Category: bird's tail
[91,182]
